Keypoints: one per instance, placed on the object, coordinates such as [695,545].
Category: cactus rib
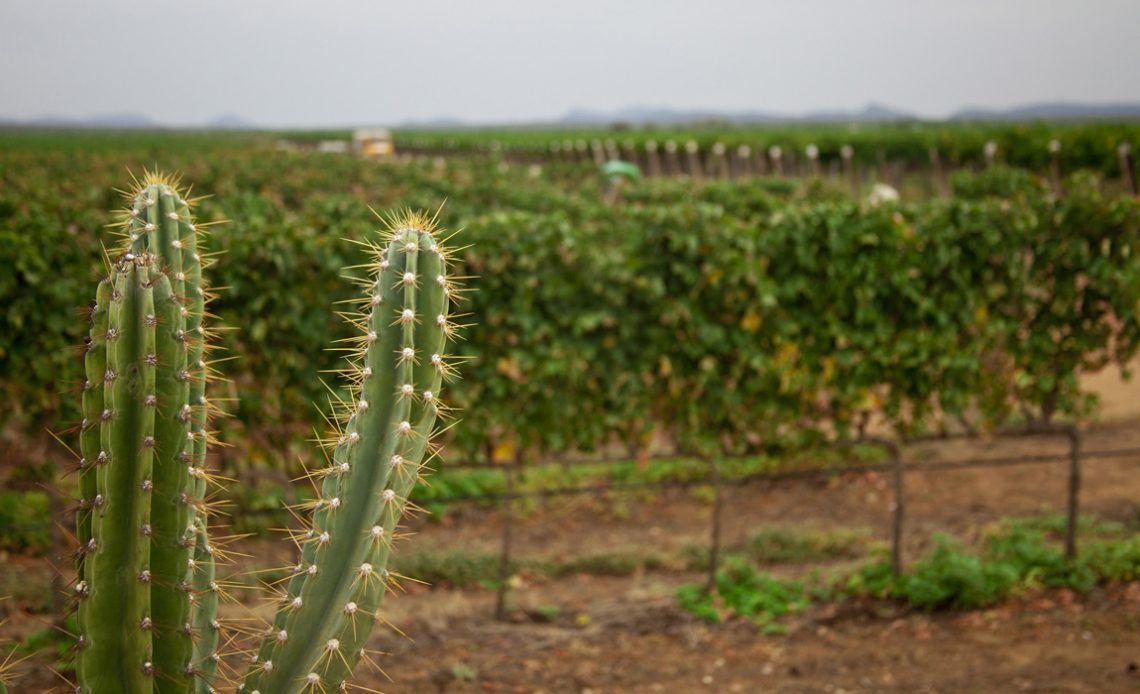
[117,636]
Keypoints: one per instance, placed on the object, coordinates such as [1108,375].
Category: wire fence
[893,465]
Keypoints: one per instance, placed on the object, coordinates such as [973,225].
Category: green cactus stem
[329,605]
[142,509]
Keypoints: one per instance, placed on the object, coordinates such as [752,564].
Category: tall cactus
[329,605]
[142,446]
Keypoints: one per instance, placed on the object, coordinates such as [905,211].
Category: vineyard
[888,151]
[739,358]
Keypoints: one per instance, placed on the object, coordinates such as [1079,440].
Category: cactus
[146,575]
[142,447]
[329,604]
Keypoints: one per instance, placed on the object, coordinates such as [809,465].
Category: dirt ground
[626,634]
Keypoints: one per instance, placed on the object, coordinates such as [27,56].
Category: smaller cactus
[330,603]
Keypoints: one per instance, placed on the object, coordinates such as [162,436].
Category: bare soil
[626,634]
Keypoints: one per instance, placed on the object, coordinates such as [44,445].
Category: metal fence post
[1074,490]
[505,551]
[899,510]
[1124,153]
[714,536]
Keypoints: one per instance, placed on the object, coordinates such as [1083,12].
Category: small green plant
[463,672]
[1113,561]
[742,591]
[1018,556]
[548,613]
[949,577]
[376,453]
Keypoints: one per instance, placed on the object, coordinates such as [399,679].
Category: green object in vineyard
[329,605]
[617,169]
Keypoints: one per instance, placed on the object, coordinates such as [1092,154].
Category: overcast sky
[342,62]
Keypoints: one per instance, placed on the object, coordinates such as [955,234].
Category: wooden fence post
[812,153]
[1055,166]
[743,162]
[1124,152]
[990,151]
[630,150]
[611,150]
[672,161]
[776,155]
[847,155]
[760,165]
[693,159]
[939,173]
[652,161]
[598,151]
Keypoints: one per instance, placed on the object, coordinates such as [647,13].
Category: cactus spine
[142,446]
[330,602]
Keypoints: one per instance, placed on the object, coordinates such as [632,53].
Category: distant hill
[106,121]
[122,121]
[230,121]
[871,113]
[644,115]
[667,116]
[437,123]
[1054,110]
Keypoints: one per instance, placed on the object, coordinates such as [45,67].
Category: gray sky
[337,62]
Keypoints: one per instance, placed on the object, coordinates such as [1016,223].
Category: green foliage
[548,613]
[25,524]
[1018,556]
[464,673]
[743,592]
[1083,145]
[1113,560]
[772,308]
[948,577]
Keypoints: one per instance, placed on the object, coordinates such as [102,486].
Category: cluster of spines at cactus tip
[379,447]
[145,564]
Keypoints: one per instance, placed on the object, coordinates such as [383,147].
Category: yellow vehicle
[373,142]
